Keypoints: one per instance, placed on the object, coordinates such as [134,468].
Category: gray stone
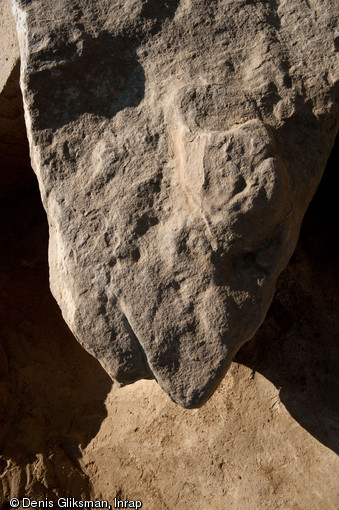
[177,145]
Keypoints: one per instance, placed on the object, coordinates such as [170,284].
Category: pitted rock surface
[177,145]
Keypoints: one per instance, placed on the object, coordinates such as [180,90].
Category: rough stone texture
[268,437]
[177,146]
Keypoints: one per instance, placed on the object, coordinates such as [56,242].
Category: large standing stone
[177,145]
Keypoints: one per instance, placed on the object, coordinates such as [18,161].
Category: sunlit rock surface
[177,146]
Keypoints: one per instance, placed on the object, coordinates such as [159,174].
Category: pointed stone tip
[192,392]
[174,200]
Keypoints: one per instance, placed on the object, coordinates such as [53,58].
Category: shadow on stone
[98,76]
[158,12]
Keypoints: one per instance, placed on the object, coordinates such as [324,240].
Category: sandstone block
[177,145]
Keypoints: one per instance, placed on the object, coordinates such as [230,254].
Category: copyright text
[73,503]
